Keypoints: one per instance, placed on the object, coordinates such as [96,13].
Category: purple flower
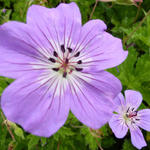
[59,66]
[4,10]
[128,117]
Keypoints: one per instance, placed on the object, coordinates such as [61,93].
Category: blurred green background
[128,22]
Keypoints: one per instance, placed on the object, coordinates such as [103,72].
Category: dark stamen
[64,74]
[137,119]
[77,54]
[132,109]
[70,50]
[63,48]
[55,69]
[52,60]
[55,54]
[79,62]
[67,61]
[79,69]
[128,109]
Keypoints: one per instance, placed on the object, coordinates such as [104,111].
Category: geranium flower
[128,117]
[59,66]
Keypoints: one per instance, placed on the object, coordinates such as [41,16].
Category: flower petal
[118,127]
[102,50]
[40,107]
[137,138]
[133,98]
[92,94]
[61,25]
[20,46]
[119,101]
[144,119]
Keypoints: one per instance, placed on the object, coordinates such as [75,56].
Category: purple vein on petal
[71,85]
[38,88]
[41,54]
[83,40]
[64,31]
[51,38]
[37,44]
[89,53]
[85,46]
[79,78]
[69,38]
[29,64]
[30,84]
[50,85]
[54,25]
[85,96]
[60,97]
[95,61]
[46,38]
[54,92]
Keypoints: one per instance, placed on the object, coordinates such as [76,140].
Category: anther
[137,119]
[63,48]
[55,54]
[55,69]
[69,49]
[132,122]
[52,60]
[132,109]
[77,54]
[79,69]
[79,62]
[64,74]
[128,109]
[67,61]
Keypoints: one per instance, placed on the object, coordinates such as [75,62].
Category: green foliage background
[123,21]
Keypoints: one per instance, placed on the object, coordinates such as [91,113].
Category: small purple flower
[128,117]
[59,66]
[4,10]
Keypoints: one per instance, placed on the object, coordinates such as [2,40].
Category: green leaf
[19,132]
[127,145]
[90,140]
[33,141]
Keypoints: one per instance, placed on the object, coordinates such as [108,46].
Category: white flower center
[66,64]
[131,116]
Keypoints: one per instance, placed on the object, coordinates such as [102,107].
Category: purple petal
[144,119]
[137,138]
[118,127]
[59,25]
[119,101]
[19,47]
[92,96]
[101,50]
[40,107]
[133,98]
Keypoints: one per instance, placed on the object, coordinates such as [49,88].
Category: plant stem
[138,26]
[138,11]
[8,128]
[93,10]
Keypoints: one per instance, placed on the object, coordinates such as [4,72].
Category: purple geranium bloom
[128,117]
[59,66]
